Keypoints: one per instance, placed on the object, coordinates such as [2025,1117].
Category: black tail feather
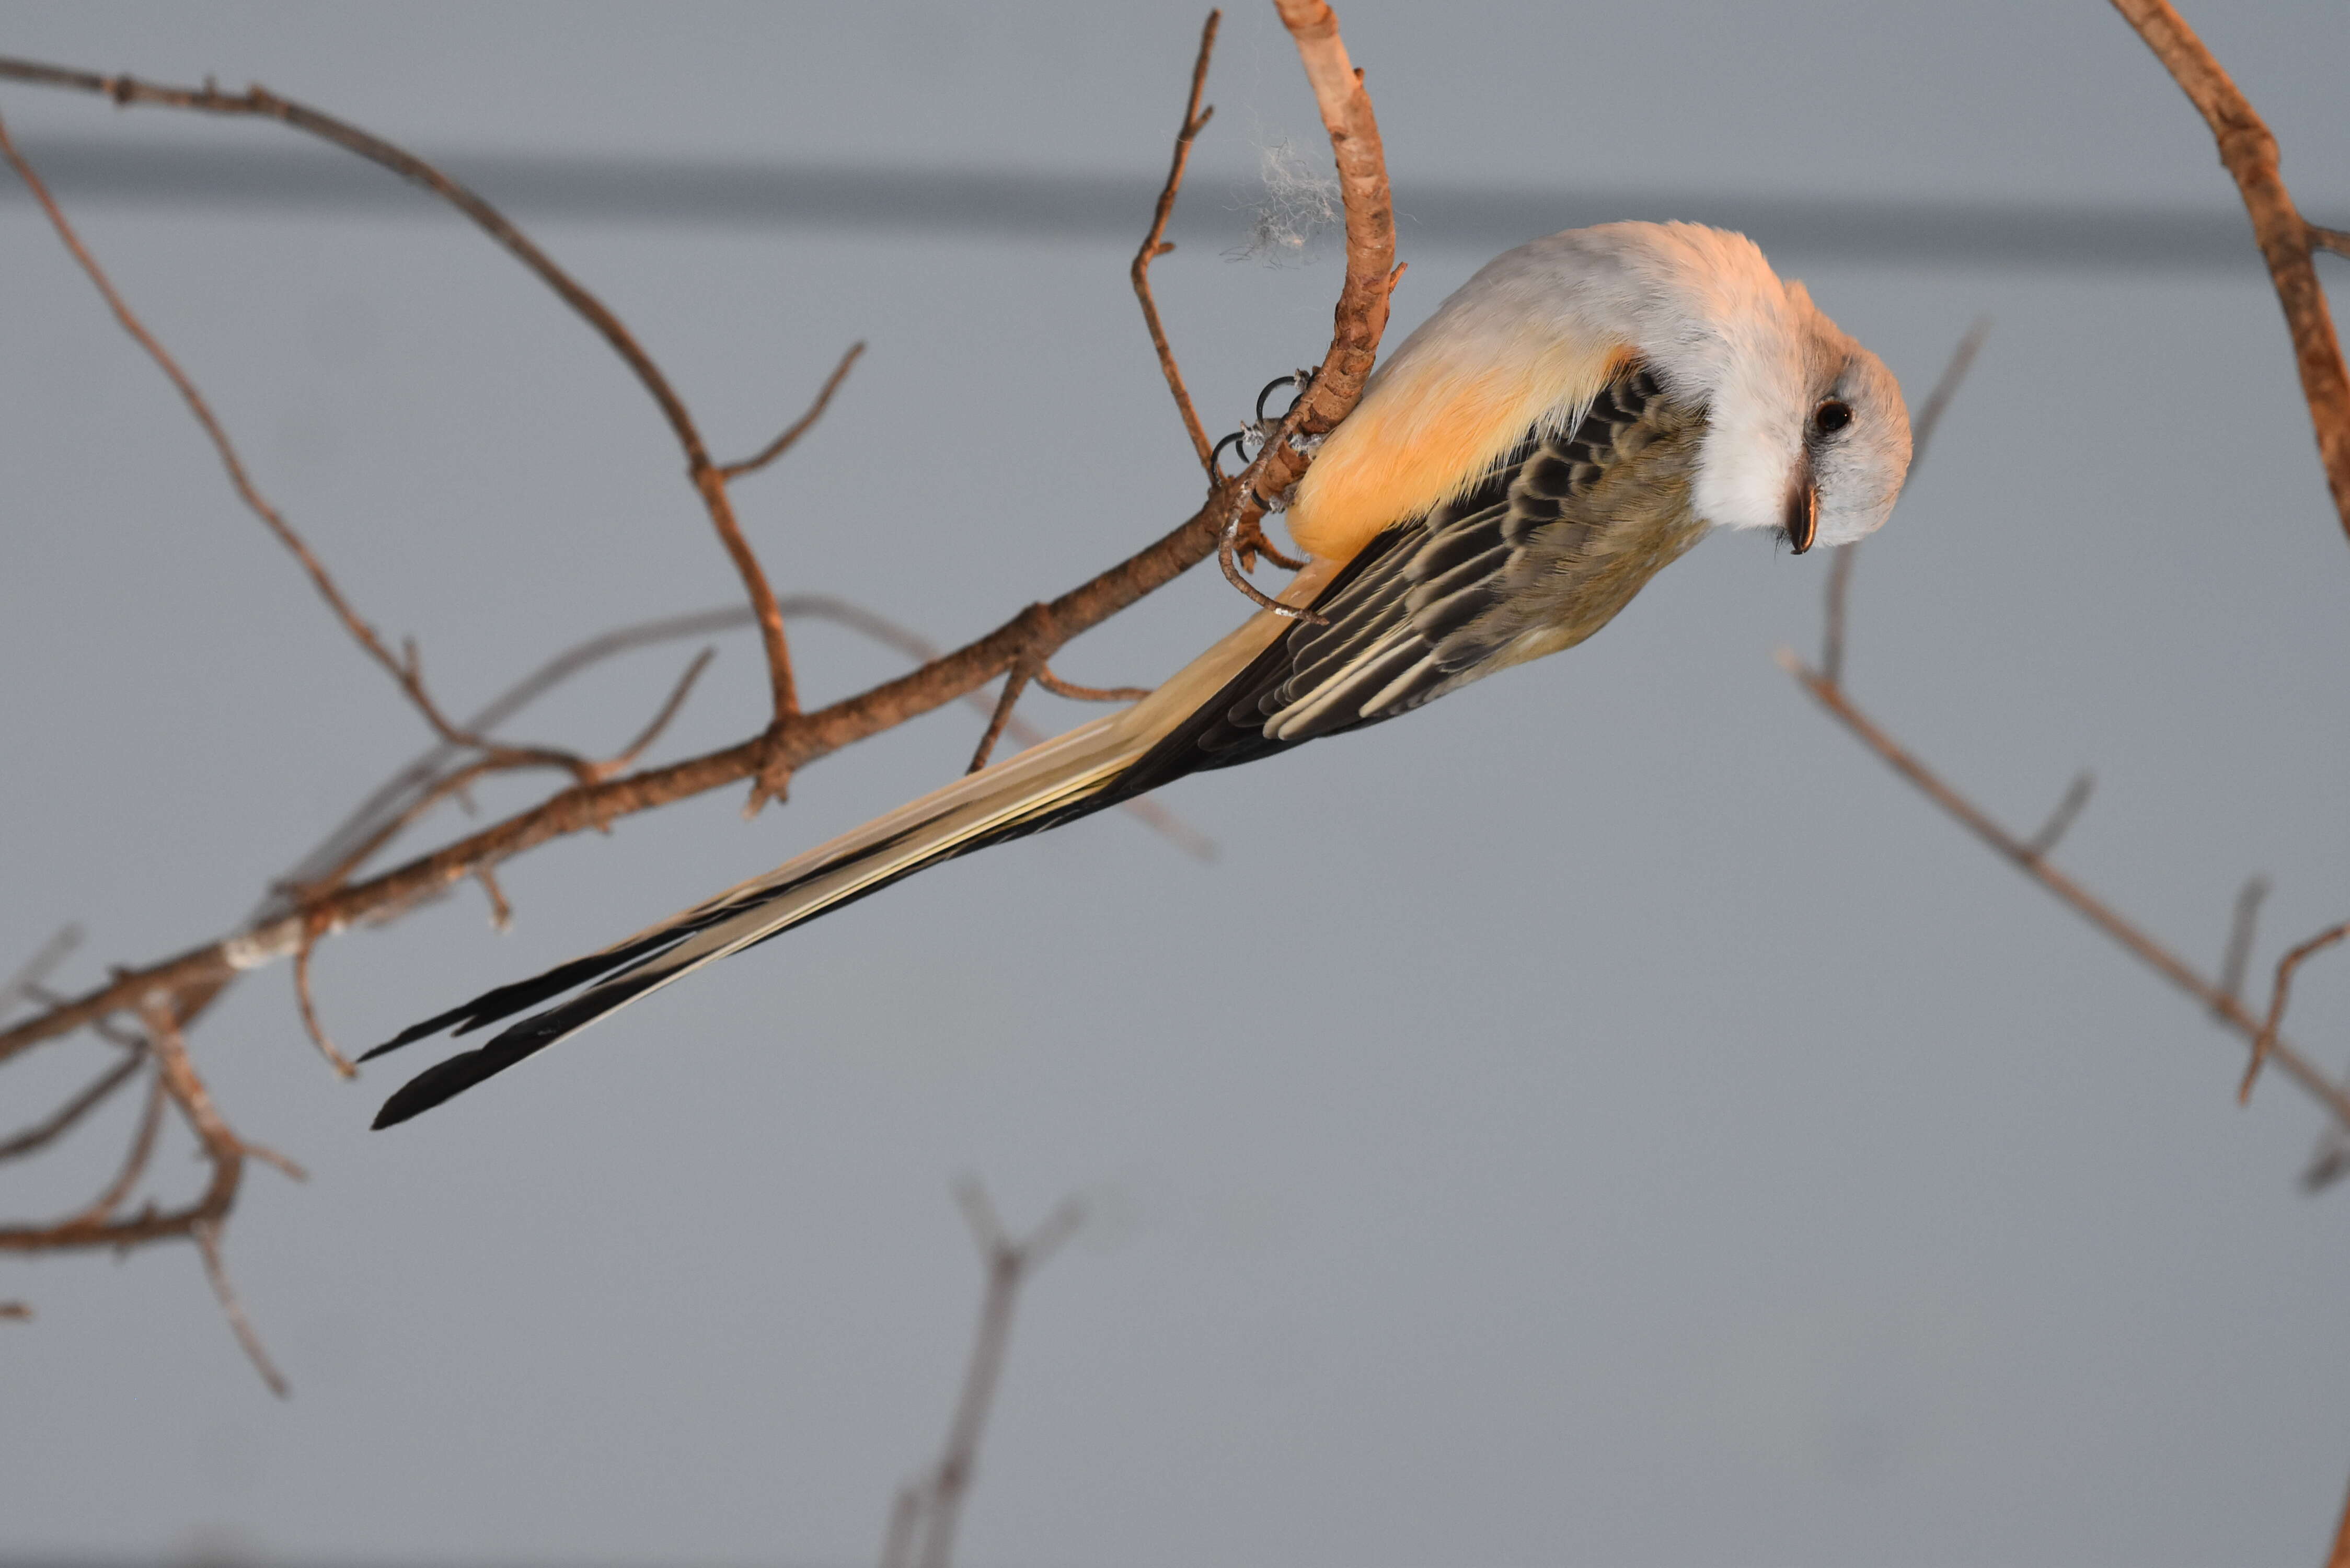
[445,1080]
[505,1001]
[1226,730]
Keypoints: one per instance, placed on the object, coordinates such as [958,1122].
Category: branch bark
[2249,150]
[2226,1009]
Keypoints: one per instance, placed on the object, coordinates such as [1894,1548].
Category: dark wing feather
[1426,607]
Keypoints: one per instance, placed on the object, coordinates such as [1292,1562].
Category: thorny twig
[1154,243]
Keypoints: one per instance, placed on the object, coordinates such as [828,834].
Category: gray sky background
[1605,1118]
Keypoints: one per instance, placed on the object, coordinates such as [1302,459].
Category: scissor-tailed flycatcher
[1578,415]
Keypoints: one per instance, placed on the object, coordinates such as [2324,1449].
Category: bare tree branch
[134,1163]
[167,994]
[2249,151]
[708,481]
[405,673]
[933,1505]
[2237,958]
[2095,911]
[1154,243]
[42,1134]
[1014,682]
[1076,693]
[801,738]
[2264,1042]
[799,427]
[307,1005]
[26,984]
[2076,796]
[207,1234]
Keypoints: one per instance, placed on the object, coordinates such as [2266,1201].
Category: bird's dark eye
[1831,417]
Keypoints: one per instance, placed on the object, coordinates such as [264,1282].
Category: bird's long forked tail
[1052,782]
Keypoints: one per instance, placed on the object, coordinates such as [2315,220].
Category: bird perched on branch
[1566,425]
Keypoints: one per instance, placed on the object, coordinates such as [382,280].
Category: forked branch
[709,481]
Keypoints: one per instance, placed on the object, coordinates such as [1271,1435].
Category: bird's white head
[1806,431]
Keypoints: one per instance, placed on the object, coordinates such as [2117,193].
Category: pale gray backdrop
[1605,1118]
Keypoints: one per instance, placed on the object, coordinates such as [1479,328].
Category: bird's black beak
[1803,520]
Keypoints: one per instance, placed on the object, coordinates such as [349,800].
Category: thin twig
[26,984]
[221,1147]
[2243,925]
[2076,796]
[1154,243]
[704,474]
[1060,687]
[1009,1262]
[2249,151]
[897,1538]
[1013,681]
[1946,387]
[207,1234]
[455,784]
[43,1134]
[799,427]
[2264,1042]
[409,679]
[2095,911]
[614,766]
[407,669]
[134,1163]
[310,1008]
[500,912]
[1921,433]
[16,1311]
[285,1166]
